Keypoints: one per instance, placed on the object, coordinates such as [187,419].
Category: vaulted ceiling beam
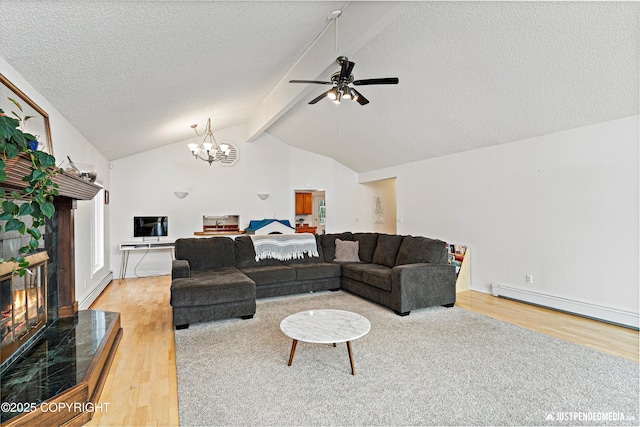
[358,23]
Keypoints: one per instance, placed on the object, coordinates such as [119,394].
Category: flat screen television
[150,226]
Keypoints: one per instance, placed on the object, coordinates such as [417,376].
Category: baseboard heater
[592,311]
[86,303]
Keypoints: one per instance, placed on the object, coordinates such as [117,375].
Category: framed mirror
[38,122]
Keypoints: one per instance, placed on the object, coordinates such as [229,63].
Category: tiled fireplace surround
[59,372]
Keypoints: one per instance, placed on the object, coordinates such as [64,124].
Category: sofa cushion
[246,254]
[367,243]
[204,288]
[318,270]
[270,274]
[379,278]
[387,249]
[347,251]
[414,250]
[354,270]
[206,254]
[328,242]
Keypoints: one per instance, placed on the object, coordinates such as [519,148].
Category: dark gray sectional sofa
[219,278]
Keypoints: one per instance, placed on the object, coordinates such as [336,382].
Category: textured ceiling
[474,74]
[132,76]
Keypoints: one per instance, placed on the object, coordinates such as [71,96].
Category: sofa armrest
[416,286]
[180,268]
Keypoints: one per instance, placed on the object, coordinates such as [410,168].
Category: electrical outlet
[529,278]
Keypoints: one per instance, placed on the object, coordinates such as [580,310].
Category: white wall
[562,207]
[67,141]
[143,184]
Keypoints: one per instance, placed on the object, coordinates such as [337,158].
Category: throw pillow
[328,242]
[347,251]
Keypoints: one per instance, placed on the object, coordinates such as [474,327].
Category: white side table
[127,247]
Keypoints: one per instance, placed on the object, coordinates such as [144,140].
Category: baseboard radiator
[598,312]
[86,303]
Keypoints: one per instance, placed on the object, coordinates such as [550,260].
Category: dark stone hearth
[57,362]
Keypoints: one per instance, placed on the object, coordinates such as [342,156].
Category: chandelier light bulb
[193,147]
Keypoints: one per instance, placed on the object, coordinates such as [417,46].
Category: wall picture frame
[378,210]
[38,123]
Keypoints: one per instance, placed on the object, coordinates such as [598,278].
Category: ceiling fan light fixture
[338,98]
[341,81]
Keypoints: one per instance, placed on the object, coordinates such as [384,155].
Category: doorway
[310,211]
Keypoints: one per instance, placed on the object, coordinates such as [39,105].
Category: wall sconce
[181,194]
[263,196]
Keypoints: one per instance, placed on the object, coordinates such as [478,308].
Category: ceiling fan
[341,81]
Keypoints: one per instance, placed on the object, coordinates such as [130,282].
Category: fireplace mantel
[70,186]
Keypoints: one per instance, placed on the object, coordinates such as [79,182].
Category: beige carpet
[437,366]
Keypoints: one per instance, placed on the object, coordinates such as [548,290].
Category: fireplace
[23,304]
[66,359]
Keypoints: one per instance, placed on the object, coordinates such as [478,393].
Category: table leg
[293,350]
[353,366]
[123,264]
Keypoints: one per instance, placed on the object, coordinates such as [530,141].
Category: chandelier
[210,151]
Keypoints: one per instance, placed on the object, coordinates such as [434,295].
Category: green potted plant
[35,200]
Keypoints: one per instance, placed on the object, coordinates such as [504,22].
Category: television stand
[127,247]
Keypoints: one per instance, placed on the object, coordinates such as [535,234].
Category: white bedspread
[285,246]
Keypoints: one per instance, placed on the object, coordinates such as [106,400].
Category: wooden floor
[601,336]
[141,388]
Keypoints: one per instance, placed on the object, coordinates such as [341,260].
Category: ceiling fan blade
[361,99]
[381,81]
[311,81]
[314,100]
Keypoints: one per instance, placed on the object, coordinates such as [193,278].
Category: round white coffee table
[325,326]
